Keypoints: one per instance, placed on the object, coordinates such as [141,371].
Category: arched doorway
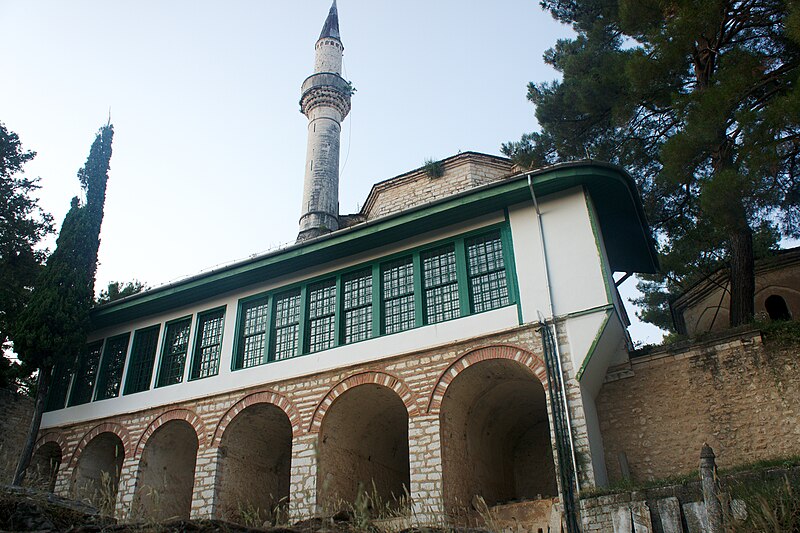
[776,308]
[96,477]
[166,472]
[363,447]
[43,470]
[495,437]
[255,459]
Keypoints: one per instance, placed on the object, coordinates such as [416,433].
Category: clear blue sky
[209,142]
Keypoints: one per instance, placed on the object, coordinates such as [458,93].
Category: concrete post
[708,471]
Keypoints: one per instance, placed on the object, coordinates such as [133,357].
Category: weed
[772,506]
[433,168]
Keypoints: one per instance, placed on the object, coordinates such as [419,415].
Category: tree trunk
[743,278]
[42,388]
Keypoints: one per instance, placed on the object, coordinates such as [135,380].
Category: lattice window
[286,324]
[110,377]
[143,355]
[253,323]
[85,374]
[57,395]
[357,293]
[208,346]
[441,284]
[173,355]
[398,295]
[487,272]
[321,315]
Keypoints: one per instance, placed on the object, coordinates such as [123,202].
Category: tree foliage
[117,290]
[699,100]
[23,224]
[53,327]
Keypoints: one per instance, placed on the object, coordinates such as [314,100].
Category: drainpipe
[560,376]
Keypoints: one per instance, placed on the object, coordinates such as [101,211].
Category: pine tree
[23,225]
[53,327]
[700,101]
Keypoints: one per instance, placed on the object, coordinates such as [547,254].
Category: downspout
[560,377]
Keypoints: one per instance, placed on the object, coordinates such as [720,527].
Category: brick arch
[266,396]
[52,436]
[168,416]
[525,358]
[364,378]
[105,427]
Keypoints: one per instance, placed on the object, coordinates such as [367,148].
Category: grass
[771,506]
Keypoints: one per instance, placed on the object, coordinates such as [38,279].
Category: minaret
[325,101]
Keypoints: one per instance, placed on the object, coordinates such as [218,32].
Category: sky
[209,144]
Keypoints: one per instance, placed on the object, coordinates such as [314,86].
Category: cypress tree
[53,327]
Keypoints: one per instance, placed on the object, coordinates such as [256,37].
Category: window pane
[488,287]
[321,311]
[398,295]
[357,306]
[208,347]
[57,395]
[111,370]
[173,355]
[441,285]
[143,355]
[85,373]
[286,325]
[253,332]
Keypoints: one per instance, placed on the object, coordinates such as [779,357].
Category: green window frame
[397,293]
[208,344]
[85,373]
[285,329]
[321,321]
[486,270]
[253,332]
[357,306]
[143,355]
[57,395]
[440,283]
[111,366]
[173,352]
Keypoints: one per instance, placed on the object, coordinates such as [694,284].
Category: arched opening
[255,458]
[96,476]
[776,308]
[43,470]
[363,447]
[495,438]
[166,472]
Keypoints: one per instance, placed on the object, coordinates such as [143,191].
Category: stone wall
[735,393]
[420,379]
[14,423]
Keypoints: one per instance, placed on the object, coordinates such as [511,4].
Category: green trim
[137,339]
[419,292]
[104,370]
[339,313]
[604,268]
[462,276]
[198,332]
[508,251]
[621,219]
[377,301]
[590,311]
[593,347]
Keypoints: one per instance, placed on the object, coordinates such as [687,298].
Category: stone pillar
[708,481]
[303,482]
[126,490]
[63,477]
[204,493]
[425,465]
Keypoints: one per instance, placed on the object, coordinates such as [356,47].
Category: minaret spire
[325,101]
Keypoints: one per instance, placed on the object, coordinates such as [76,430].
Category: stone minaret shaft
[325,101]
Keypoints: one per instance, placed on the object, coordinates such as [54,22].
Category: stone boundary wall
[15,420]
[735,393]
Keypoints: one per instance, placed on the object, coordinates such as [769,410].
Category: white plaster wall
[227,380]
[595,438]
[576,276]
[582,332]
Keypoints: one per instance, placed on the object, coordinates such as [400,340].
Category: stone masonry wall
[419,379]
[736,394]
[416,188]
[15,420]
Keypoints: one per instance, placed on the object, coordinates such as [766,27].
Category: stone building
[446,342]
[705,306]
